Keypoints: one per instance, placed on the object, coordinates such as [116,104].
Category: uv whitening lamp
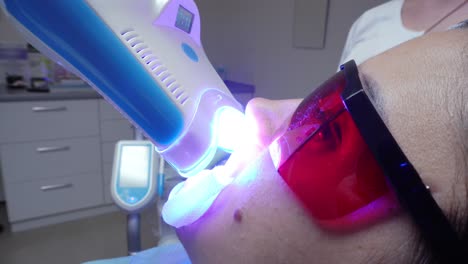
[146,58]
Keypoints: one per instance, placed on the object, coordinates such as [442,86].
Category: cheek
[269,212]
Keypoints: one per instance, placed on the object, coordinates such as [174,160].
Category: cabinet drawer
[45,159]
[28,121]
[107,173]
[108,112]
[108,150]
[115,130]
[51,196]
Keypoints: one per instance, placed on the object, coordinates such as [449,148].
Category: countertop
[86,92]
[69,93]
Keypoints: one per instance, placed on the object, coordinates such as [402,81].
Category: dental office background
[283,47]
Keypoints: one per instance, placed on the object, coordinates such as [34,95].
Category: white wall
[253,40]
[7,32]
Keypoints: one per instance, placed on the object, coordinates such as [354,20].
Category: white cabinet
[114,130]
[40,198]
[56,157]
[49,159]
[43,120]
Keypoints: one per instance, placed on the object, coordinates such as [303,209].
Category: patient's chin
[252,216]
[247,210]
[227,211]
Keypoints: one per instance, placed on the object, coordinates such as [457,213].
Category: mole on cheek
[238,215]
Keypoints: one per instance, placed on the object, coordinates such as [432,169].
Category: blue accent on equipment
[132,196]
[78,35]
[161,179]
[190,52]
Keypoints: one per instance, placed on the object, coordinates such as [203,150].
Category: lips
[189,200]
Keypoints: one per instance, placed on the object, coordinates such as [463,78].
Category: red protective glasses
[343,164]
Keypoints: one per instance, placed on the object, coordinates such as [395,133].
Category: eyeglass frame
[401,175]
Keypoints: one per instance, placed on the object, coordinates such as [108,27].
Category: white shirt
[167,254]
[376,31]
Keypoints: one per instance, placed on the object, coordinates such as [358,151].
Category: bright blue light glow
[230,128]
[189,200]
[228,131]
[404,164]
[202,163]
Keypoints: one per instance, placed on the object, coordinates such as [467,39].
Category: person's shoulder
[378,14]
[169,253]
[389,8]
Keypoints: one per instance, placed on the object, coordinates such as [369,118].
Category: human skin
[417,88]
[420,15]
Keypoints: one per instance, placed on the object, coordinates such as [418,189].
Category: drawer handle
[56,187]
[39,109]
[52,149]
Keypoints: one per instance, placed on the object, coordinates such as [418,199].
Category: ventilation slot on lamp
[169,83]
[160,71]
[154,64]
[141,48]
[165,77]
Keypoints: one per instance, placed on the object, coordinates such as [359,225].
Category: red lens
[325,161]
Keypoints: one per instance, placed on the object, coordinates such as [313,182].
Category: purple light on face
[249,173]
[275,152]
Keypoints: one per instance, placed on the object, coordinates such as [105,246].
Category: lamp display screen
[134,166]
[184,19]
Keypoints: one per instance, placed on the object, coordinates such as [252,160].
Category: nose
[269,118]
[265,120]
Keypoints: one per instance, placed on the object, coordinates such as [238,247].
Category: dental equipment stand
[134,219]
[133,185]
[133,233]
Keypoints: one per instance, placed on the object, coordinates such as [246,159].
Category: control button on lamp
[189,52]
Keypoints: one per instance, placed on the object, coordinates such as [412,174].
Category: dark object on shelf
[1,228]
[15,82]
[39,85]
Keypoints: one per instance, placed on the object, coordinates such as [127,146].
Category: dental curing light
[146,58]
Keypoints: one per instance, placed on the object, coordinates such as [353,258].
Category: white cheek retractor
[191,199]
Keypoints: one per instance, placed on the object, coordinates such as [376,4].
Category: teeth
[189,201]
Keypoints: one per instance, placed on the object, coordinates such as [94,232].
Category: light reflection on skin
[257,194]
[265,120]
[190,200]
